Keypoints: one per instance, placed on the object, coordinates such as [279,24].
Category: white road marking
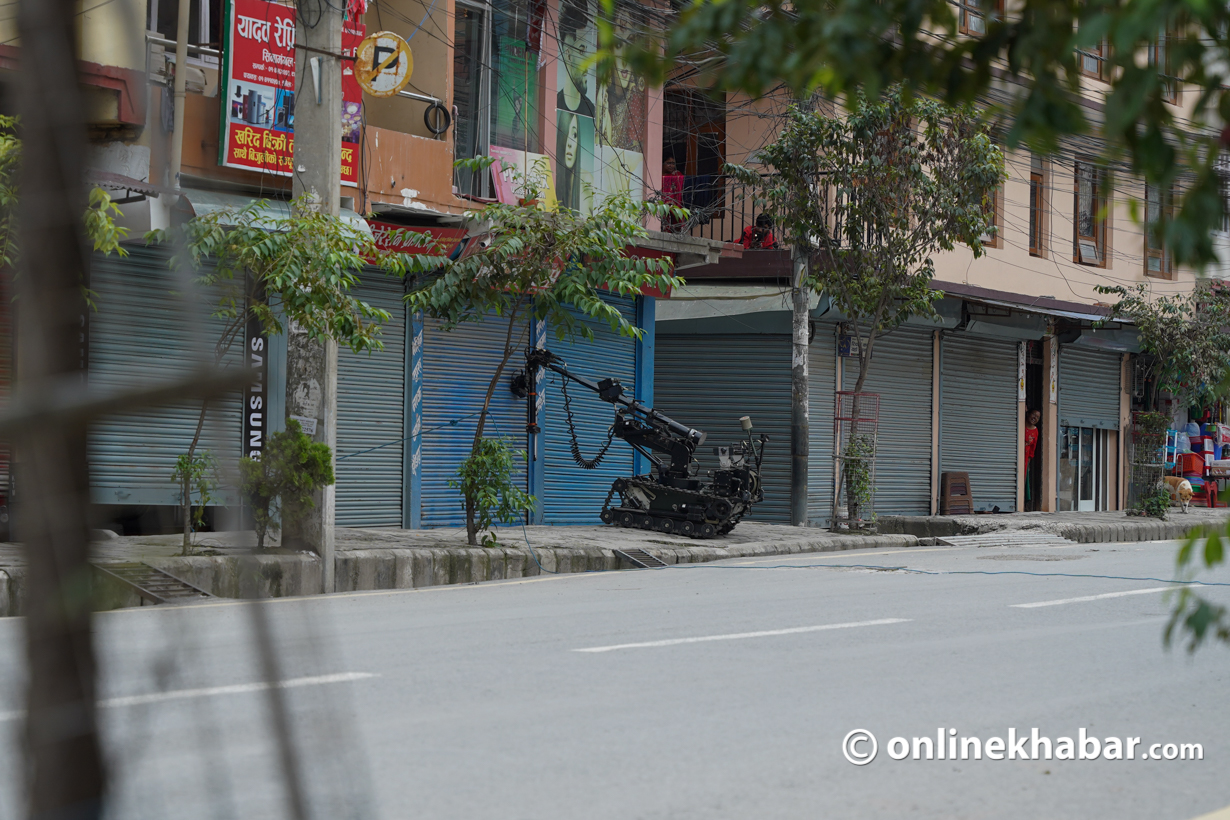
[741,635]
[1103,596]
[234,689]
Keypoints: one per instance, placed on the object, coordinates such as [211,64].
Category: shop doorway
[1082,469]
[1034,400]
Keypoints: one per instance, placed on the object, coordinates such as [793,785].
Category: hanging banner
[258,90]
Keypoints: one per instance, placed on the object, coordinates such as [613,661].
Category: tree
[1188,335]
[542,264]
[298,268]
[870,197]
[282,482]
[1027,59]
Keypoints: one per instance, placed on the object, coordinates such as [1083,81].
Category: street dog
[1180,491]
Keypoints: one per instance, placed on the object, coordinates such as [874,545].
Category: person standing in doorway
[672,193]
[1032,419]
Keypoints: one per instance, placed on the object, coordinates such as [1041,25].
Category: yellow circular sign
[383,64]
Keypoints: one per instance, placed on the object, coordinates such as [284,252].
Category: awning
[199,202]
[1123,340]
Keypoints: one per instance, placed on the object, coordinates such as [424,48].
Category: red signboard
[389,237]
[258,90]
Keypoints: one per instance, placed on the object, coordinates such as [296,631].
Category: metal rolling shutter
[821,383]
[978,433]
[707,382]
[1088,388]
[371,415]
[140,333]
[457,367]
[572,495]
[901,375]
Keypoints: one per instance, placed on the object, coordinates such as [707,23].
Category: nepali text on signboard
[258,90]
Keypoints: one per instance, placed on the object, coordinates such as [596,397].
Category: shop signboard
[390,237]
[258,90]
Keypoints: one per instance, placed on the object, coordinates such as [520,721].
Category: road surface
[713,691]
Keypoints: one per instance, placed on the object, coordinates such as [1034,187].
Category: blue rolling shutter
[821,384]
[572,495]
[371,416]
[457,367]
[901,374]
[1089,388]
[978,433]
[708,381]
[142,332]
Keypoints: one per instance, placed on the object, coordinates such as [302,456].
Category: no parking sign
[383,64]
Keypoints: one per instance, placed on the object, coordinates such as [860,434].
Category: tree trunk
[471,510]
[186,500]
[800,423]
[62,765]
[853,505]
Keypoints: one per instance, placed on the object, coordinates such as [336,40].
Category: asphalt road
[482,702]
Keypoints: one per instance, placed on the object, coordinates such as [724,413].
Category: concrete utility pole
[311,366]
[800,424]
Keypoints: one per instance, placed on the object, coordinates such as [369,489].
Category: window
[1037,206]
[694,135]
[1157,211]
[1090,238]
[471,94]
[516,34]
[1223,172]
[973,14]
[204,21]
[991,239]
[1092,61]
[1160,58]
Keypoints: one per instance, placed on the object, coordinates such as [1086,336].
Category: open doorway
[1035,399]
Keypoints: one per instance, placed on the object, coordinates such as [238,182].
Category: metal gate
[142,332]
[457,366]
[821,384]
[978,406]
[901,374]
[708,381]
[572,495]
[1089,387]
[371,416]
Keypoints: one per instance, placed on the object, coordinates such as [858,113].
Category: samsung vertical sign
[255,402]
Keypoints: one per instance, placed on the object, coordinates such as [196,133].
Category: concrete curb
[413,568]
[281,575]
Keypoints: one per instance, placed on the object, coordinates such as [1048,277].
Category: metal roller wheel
[627,520]
[707,530]
[687,528]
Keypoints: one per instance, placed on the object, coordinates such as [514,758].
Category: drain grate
[1007,538]
[152,584]
[639,558]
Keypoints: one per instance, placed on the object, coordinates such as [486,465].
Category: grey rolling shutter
[707,382]
[978,434]
[821,384]
[572,495]
[1088,388]
[371,415]
[141,332]
[901,374]
[457,367]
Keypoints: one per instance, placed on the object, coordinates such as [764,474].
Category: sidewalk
[228,566]
[1083,527]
